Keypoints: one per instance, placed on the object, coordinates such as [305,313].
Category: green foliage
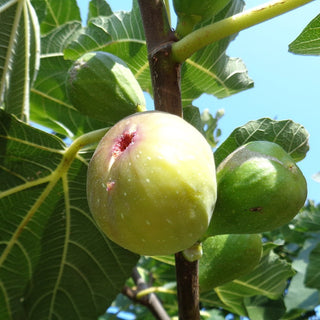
[53,255]
[307,42]
[19,42]
[268,279]
[54,260]
[291,136]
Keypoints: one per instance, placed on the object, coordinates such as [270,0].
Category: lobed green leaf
[308,42]
[98,8]
[268,279]
[54,260]
[55,13]
[260,307]
[19,56]
[291,136]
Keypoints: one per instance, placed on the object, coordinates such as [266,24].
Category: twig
[151,301]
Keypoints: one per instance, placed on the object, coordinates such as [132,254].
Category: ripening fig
[101,85]
[151,184]
[191,12]
[228,257]
[260,188]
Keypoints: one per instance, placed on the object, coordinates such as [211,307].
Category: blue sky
[286,85]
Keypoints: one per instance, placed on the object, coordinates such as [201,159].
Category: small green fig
[151,184]
[260,188]
[191,12]
[101,85]
[227,257]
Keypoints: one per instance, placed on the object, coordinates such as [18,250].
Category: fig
[227,257]
[100,85]
[151,183]
[191,12]
[260,188]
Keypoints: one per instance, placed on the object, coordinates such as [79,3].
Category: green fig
[151,184]
[191,12]
[101,85]
[260,188]
[227,257]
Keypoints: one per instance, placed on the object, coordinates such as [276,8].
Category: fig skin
[260,188]
[151,184]
[101,86]
[228,257]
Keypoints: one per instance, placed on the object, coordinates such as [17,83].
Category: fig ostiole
[101,85]
[151,184]
[260,188]
[228,257]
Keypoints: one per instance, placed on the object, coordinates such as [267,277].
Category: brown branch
[188,288]
[151,301]
[165,72]
[165,75]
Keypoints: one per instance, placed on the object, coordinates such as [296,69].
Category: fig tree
[227,257]
[151,183]
[191,12]
[260,188]
[101,85]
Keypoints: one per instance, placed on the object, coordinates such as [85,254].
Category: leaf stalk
[198,39]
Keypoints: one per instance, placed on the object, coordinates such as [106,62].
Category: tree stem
[165,72]
[165,75]
[188,288]
[202,37]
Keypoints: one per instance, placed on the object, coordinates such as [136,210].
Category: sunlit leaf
[98,8]
[308,42]
[291,136]
[19,55]
[57,13]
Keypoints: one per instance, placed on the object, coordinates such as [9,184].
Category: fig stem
[84,140]
[204,36]
[71,152]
